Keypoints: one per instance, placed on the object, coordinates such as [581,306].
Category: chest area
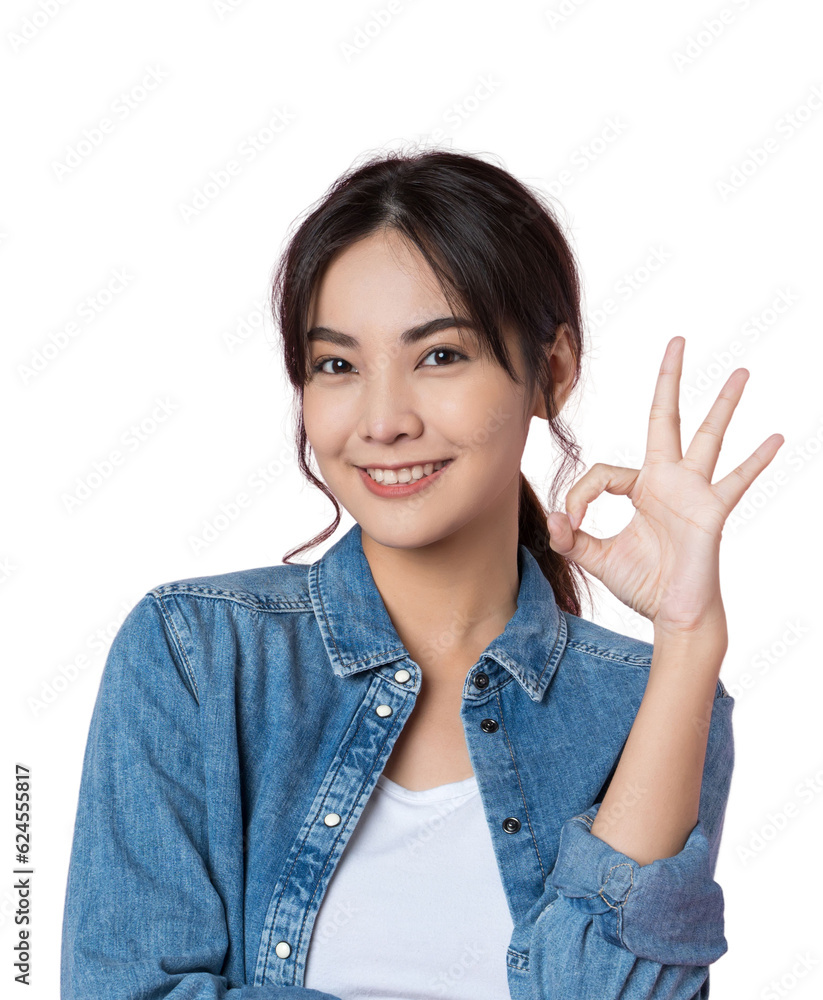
[426,858]
[431,750]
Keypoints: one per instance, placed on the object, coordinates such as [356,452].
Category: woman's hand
[665,563]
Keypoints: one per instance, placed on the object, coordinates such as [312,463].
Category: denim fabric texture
[240,726]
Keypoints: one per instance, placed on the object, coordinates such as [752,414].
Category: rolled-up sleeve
[615,928]
[143,918]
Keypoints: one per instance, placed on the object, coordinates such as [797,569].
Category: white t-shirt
[415,908]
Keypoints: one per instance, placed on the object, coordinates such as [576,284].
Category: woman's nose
[389,408]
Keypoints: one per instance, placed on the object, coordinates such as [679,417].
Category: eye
[444,350]
[318,366]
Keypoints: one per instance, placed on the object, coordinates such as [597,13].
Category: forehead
[380,283]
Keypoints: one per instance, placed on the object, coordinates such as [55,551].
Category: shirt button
[383,711]
[511,824]
[481,680]
[282,949]
[489,726]
[331,820]
[402,676]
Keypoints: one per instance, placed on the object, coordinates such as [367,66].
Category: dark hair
[497,252]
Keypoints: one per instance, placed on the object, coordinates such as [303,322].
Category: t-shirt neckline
[451,790]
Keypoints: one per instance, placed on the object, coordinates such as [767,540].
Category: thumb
[577,545]
[561,535]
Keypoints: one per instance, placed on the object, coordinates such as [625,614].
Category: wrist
[693,653]
[709,630]
[714,635]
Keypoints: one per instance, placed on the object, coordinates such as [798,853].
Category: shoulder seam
[631,660]
[252,601]
[605,653]
[173,635]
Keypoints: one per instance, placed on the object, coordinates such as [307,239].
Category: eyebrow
[410,336]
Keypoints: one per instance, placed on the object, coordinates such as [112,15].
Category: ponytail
[533,532]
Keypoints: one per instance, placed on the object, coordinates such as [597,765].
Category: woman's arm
[612,928]
[143,913]
[651,805]
[637,913]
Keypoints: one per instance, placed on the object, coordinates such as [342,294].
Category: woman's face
[382,400]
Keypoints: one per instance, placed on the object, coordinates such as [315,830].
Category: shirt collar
[358,632]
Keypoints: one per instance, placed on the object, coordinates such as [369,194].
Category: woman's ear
[562,365]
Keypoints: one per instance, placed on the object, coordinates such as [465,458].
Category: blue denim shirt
[240,726]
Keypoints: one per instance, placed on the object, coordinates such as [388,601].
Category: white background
[661,129]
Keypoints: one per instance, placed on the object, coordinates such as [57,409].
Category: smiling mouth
[406,474]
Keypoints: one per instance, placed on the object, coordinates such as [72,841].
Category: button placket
[494,760]
[511,824]
[292,913]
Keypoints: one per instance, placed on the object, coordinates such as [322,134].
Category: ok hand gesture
[665,563]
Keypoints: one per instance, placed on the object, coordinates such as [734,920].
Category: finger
[663,442]
[731,488]
[704,450]
[579,546]
[599,479]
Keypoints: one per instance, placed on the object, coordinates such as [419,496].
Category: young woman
[411,769]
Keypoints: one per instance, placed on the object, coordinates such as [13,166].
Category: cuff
[669,911]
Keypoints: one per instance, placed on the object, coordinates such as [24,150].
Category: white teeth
[391,477]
